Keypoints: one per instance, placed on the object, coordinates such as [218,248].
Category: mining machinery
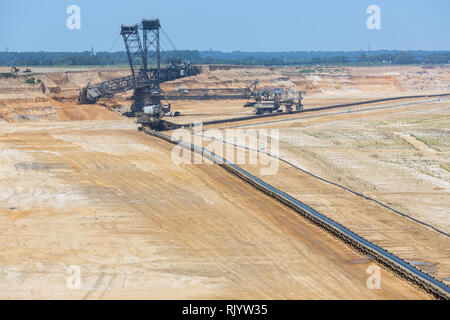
[147,96]
[266,100]
[15,70]
[263,101]
[144,80]
[271,99]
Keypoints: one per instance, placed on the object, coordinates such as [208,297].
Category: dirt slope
[398,156]
[112,202]
[20,101]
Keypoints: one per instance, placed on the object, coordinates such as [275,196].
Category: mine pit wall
[61,88]
[62,85]
[370,82]
[55,98]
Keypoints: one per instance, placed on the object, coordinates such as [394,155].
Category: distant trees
[85,58]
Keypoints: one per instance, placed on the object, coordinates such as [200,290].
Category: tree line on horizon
[87,58]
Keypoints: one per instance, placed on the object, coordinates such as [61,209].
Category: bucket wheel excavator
[146,82]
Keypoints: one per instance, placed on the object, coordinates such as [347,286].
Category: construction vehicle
[214,93]
[144,80]
[270,100]
[266,100]
[147,97]
[15,70]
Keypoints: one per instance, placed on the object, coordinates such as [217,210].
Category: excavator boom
[141,77]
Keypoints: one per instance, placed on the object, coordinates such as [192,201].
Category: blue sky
[228,25]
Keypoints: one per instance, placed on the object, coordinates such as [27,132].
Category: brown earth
[102,196]
[371,151]
[55,99]
[21,101]
[111,202]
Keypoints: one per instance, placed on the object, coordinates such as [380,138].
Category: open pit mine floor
[107,199]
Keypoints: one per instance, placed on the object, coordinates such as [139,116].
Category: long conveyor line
[400,267]
[337,106]
[330,182]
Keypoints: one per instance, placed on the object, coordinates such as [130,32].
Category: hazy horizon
[249,52]
[246,26]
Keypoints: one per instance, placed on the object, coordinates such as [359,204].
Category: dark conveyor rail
[332,183]
[337,106]
[395,264]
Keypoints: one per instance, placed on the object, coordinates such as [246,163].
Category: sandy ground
[81,187]
[374,152]
[21,101]
[112,202]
